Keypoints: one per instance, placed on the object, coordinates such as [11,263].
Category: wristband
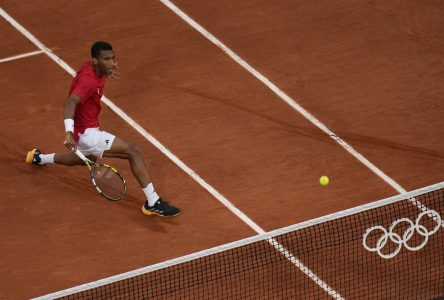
[69,125]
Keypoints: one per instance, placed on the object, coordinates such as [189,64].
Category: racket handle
[80,154]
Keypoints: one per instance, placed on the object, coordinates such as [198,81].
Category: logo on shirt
[107,142]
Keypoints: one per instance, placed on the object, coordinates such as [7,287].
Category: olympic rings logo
[404,240]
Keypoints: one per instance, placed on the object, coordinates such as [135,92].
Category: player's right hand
[70,142]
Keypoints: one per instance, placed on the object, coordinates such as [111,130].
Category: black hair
[100,46]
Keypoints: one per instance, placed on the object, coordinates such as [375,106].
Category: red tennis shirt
[89,87]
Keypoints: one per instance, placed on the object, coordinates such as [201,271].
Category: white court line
[178,162]
[291,102]
[282,95]
[21,56]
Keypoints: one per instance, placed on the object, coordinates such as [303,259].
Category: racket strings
[109,182]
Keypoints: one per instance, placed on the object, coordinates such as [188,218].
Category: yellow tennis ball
[324,180]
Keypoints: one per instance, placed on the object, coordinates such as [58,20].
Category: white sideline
[292,103]
[21,56]
[283,96]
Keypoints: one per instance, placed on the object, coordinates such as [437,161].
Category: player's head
[103,58]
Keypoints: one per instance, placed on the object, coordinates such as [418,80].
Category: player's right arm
[69,112]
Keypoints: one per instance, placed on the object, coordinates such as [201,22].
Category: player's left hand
[114,75]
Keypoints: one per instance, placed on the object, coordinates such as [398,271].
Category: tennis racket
[105,179]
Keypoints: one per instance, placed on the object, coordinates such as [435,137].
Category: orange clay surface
[371,71]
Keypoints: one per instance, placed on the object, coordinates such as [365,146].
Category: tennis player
[81,114]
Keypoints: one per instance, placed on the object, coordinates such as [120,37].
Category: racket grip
[80,154]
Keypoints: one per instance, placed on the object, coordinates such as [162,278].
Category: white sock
[151,195]
[46,159]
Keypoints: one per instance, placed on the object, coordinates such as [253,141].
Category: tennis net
[388,249]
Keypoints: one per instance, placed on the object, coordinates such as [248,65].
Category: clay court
[348,89]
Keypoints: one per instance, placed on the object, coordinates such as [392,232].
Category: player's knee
[134,150]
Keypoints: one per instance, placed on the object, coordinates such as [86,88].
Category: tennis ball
[324,180]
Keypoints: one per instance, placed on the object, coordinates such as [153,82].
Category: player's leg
[122,149]
[154,204]
[67,158]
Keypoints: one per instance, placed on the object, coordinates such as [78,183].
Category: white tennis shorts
[94,142]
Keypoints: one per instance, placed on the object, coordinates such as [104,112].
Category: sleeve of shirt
[84,88]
